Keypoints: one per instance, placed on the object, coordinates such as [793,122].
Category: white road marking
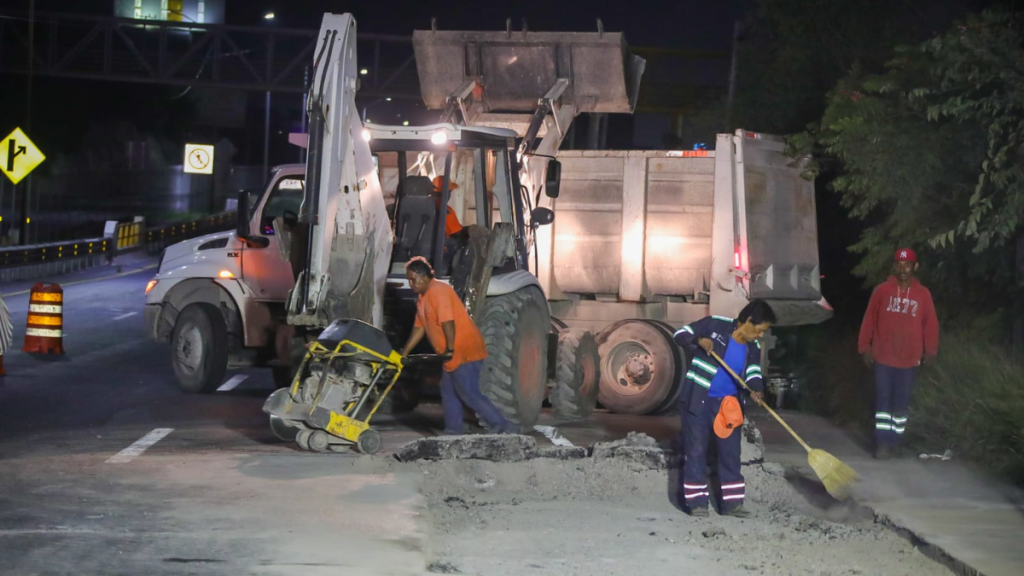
[123,316]
[551,433]
[140,446]
[232,383]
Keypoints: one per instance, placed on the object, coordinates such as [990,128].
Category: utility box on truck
[645,242]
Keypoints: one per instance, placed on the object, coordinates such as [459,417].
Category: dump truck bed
[709,227]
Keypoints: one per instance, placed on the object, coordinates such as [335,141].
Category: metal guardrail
[42,253]
[31,262]
[156,239]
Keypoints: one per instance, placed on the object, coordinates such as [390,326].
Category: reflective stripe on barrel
[44,326]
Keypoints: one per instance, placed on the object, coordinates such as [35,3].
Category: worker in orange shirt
[452,226]
[444,320]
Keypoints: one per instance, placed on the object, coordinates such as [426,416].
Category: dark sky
[682,23]
[65,123]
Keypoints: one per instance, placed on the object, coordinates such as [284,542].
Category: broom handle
[763,405]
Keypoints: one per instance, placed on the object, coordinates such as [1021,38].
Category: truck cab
[219,299]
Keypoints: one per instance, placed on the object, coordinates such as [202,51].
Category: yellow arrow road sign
[18,156]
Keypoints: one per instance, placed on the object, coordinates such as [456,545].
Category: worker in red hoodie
[900,332]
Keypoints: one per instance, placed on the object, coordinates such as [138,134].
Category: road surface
[106,467]
[216,493]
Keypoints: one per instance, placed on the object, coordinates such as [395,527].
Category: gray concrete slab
[974,519]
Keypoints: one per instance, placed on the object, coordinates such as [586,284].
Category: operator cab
[439,181]
[475,179]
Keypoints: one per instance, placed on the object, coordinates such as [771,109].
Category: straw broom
[837,477]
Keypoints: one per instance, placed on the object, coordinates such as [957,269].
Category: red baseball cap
[906,255]
[729,418]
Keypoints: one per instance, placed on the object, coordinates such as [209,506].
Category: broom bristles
[837,477]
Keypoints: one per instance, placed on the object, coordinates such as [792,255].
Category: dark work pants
[462,387]
[697,431]
[892,400]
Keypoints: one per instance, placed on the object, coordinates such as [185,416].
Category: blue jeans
[698,430]
[462,387]
[892,401]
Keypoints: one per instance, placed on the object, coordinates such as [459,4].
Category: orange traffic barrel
[45,328]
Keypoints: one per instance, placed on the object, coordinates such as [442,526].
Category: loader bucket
[516,69]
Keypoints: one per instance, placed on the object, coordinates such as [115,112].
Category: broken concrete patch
[752,446]
[652,458]
[493,447]
[636,448]
[563,452]
[633,440]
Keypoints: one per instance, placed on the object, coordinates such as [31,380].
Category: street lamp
[364,72]
[268,16]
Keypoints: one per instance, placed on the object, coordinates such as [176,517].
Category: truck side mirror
[542,217]
[242,224]
[553,179]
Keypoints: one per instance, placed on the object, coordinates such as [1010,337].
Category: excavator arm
[343,262]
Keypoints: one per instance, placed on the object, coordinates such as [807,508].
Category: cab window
[284,201]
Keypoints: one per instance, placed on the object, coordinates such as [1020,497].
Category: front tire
[199,345]
[514,376]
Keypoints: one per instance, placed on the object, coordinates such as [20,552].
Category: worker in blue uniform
[711,402]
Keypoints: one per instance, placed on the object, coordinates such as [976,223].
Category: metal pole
[266,138]
[732,73]
[303,112]
[26,189]
[3,188]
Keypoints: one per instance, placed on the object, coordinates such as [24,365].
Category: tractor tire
[404,396]
[514,375]
[199,348]
[577,375]
[639,367]
[284,376]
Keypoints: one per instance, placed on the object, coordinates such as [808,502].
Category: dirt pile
[617,512]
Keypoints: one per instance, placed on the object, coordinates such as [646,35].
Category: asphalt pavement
[201,485]
[107,467]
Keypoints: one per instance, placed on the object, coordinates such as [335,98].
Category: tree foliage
[794,51]
[929,152]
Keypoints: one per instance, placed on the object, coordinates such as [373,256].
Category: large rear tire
[682,362]
[639,367]
[514,376]
[577,375]
[199,348]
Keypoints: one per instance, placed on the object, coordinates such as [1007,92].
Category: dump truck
[645,242]
[642,242]
[330,241]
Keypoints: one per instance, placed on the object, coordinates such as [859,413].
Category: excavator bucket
[511,71]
